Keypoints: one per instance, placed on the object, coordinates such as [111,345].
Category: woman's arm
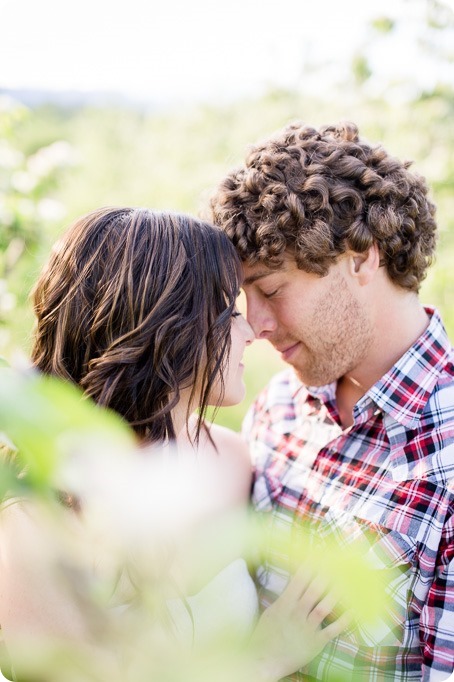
[232,463]
[34,598]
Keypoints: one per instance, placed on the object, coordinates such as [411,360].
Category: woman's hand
[289,633]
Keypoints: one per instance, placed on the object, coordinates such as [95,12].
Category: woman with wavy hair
[138,308]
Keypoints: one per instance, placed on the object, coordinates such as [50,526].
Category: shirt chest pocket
[394,556]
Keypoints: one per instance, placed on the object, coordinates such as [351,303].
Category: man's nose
[261,319]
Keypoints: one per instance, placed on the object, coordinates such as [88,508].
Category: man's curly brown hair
[318,193]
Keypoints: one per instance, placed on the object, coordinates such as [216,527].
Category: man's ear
[363,266]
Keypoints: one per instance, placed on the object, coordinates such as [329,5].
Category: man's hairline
[288,259]
[265,271]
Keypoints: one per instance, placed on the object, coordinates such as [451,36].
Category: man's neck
[396,331]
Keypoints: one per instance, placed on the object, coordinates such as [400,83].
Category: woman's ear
[364,266]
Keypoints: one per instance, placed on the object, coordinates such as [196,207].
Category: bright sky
[191,49]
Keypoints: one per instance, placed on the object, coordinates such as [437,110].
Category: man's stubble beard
[345,344]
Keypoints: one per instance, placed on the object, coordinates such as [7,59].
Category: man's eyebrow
[257,275]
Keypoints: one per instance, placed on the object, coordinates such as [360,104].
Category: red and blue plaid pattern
[387,481]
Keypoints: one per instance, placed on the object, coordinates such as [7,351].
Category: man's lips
[287,351]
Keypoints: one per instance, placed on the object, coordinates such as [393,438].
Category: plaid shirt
[388,478]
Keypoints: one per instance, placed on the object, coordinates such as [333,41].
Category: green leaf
[383,24]
[45,417]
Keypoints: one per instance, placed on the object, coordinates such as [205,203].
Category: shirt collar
[404,390]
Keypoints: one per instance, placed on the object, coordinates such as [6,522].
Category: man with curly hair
[356,440]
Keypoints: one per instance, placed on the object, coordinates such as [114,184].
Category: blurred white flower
[13,252]
[26,207]
[9,157]
[6,214]
[20,361]
[7,302]
[23,182]
[7,299]
[47,159]
[50,209]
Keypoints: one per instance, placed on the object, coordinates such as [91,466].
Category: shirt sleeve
[437,616]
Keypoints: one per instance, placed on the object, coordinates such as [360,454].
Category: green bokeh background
[172,158]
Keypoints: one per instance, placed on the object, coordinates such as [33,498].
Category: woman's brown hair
[134,306]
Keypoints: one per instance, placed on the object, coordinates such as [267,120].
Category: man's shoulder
[440,404]
[438,421]
[425,450]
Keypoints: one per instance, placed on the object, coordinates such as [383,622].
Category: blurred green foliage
[57,163]
[29,176]
[44,417]
[67,443]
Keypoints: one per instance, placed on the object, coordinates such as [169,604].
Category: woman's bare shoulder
[32,552]
[16,514]
[224,437]
[22,534]
[233,453]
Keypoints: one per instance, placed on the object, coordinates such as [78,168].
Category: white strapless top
[226,607]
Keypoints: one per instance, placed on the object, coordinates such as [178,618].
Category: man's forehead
[257,271]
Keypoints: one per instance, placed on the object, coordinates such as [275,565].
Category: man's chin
[311,379]
[304,377]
